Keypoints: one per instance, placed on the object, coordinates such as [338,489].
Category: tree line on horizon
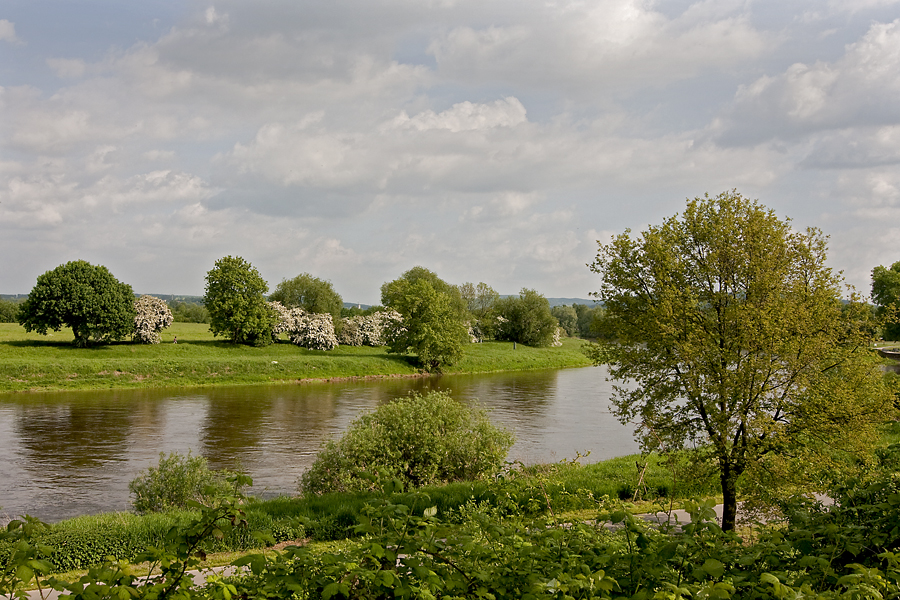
[434,321]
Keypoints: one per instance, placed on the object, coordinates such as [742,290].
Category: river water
[71,453]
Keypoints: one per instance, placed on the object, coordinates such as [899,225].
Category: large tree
[731,332]
[82,296]
[526,319]
[235,298]
[312,294]
[886,296]
[434,325]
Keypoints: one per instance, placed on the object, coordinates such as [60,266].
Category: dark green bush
[420,440]
[177,480]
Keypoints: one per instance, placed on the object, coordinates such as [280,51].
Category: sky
[487,141]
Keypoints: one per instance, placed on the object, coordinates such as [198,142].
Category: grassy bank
[31,362]
[560,488]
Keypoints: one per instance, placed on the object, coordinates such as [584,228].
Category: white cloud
[67,68]
[859,89]
[8,32]
[601,46]
[467,116]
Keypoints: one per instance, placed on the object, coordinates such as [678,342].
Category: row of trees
[421,314]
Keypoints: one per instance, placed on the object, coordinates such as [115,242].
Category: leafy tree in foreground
[236,302]
[434,318]
[886,296]
[314,295]
[731,328]
[82,296]
[527,319]
[420,440]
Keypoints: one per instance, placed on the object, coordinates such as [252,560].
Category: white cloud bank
[488,141]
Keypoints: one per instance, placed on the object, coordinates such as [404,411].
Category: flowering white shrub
[285,318]
[313,331]
[369,330]
[392,327]
[556,337]
[350,332]
[152,315]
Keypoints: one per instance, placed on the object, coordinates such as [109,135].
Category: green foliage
[526,319]
[412,550]
[30,362]
[177,481]
[732,329]
[434,318]
[886,296]
[415,552]
[23,558]
[84,297]
[188,312]
[420,440]
[310,293]
[567,318]
[235,299]
[8,311]
[588,321]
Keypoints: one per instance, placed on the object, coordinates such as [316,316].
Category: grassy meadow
[32,362]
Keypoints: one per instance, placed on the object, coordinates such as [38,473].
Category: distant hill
[570,301]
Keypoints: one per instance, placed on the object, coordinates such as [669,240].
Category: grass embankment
[562,488]
[31,362]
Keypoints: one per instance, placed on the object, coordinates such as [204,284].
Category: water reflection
[72,453]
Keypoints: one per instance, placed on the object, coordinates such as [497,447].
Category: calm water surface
[65,454]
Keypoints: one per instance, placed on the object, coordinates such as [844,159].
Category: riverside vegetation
[31,362]
[518,536]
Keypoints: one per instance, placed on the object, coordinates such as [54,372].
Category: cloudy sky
[487,141]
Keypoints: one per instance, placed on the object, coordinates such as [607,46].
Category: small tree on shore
[732,329]
[236,302]
[82,296]
[421,440]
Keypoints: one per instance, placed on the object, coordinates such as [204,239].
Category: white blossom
[369,330]
[152,315]
[313,331]
[556,337]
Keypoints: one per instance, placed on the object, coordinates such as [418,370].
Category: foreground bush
[420,440]
[177,480]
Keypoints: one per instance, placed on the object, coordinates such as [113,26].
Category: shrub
[152,315]
[177,480]
[420,440]
[312,331]
[368,330]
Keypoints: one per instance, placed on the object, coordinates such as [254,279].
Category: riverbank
[557,488]
[31,362]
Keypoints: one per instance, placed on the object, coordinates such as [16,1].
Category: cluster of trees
[886,297]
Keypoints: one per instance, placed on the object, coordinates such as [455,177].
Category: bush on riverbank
[418,440]
[177,480]
[532,491]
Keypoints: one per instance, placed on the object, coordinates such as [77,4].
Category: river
[71,453]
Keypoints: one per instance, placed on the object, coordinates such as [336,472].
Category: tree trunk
[728,478]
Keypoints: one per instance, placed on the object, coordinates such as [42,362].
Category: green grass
[88,539]
[31,362]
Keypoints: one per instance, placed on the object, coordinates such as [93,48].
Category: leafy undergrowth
[489,551]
